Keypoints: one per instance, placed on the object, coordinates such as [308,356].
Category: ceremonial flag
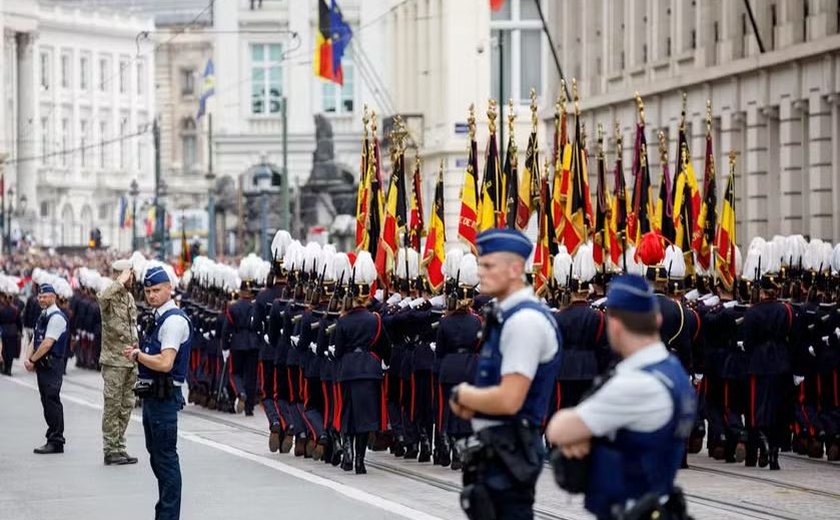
[603,206]
[665,202]
[208,89]
[185,260]
[704,231]
[640,221]
[125,215]
[620,211]
[468,216]
[511,175]
[376,209]
[433,254]
[363,194]
[543,250]
[492,210]
[562,170]
[576,218]
[530,185]
[388,240]
[416,227]
[725,236]
[686,199]
[150,221]
[331,38]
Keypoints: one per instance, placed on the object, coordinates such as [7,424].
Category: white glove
[692,295]
[405,303]
[741,346]
[438,301]
[265,338]
[225,354]
[797,380]
[824,339]
[213,333]
[295,340]
[417,302]
[206,335]
[384,366]
[331,349]
[433,346]
[394,299]
[313,347]
[711,302]
[812,351]
[837,332]
[698,377]
[379,294]
[730,304]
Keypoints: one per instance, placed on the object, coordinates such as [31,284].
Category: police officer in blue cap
[515,372]
[163,361]
[49,348]
[634,425]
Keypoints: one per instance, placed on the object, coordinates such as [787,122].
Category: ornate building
[77,97]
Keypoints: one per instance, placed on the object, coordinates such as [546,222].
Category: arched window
[189,147]
[67,224]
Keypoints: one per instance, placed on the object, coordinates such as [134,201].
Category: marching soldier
[239,339]
[11,324]
[275,284]
[457,346]
[362,350]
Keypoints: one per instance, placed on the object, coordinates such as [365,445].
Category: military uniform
[10,329]
[268,377]
[239,339]
[585,351]
[119,330]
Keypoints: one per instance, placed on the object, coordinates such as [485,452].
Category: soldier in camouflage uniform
[119,330]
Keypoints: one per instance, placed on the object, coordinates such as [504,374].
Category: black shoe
[360,467]
[425,454]
[240,403]
[288,441]
[114,459]
[249,413]
[774,459]
[49,448]
[456,460]
[411,452]
[347,459]
[300,446]
[128,458]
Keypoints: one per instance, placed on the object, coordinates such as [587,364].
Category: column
[733,137]
[755,170]
[791,174]
[820,210]
[27,91]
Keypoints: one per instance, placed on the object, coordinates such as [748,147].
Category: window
[188,145]
[45,139]
[516,32]
[187,82]
[65,71]
[266,78]
[83,141]
[45,71]
[103,136]
[65,140]
[83,73]
[123,76]
[339,98]
[123,130]
[140,78]
[103,74]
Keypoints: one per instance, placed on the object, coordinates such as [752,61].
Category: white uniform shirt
[56,326]
[631,399]
[528,338]
[174,331]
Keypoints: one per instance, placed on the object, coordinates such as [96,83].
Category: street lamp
[134,191]
[262,179]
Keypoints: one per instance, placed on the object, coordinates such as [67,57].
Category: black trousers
[243,369]
[49,386]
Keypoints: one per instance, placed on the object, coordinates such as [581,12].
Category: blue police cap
[155,276]
[631,293]
[47,289]
[504,240]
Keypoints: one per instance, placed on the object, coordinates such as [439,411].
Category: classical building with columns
[77,105]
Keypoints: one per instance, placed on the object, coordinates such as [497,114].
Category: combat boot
[763,459]
[774,459]
[425,454]
[445,457]
[360,449]
[348,458]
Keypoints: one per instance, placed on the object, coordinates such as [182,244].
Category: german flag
[331,38]
[433,254]
[468,216]
[725,237]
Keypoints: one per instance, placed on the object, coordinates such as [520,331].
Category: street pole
[284,191]
[133,221]
[159,217]
[211,200]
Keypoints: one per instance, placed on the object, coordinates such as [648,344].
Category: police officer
[47,360]
[635,425]
[163,361]
[515,374]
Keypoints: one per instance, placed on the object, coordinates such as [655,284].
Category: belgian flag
[331,38]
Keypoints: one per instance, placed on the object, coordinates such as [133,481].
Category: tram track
[742,509]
